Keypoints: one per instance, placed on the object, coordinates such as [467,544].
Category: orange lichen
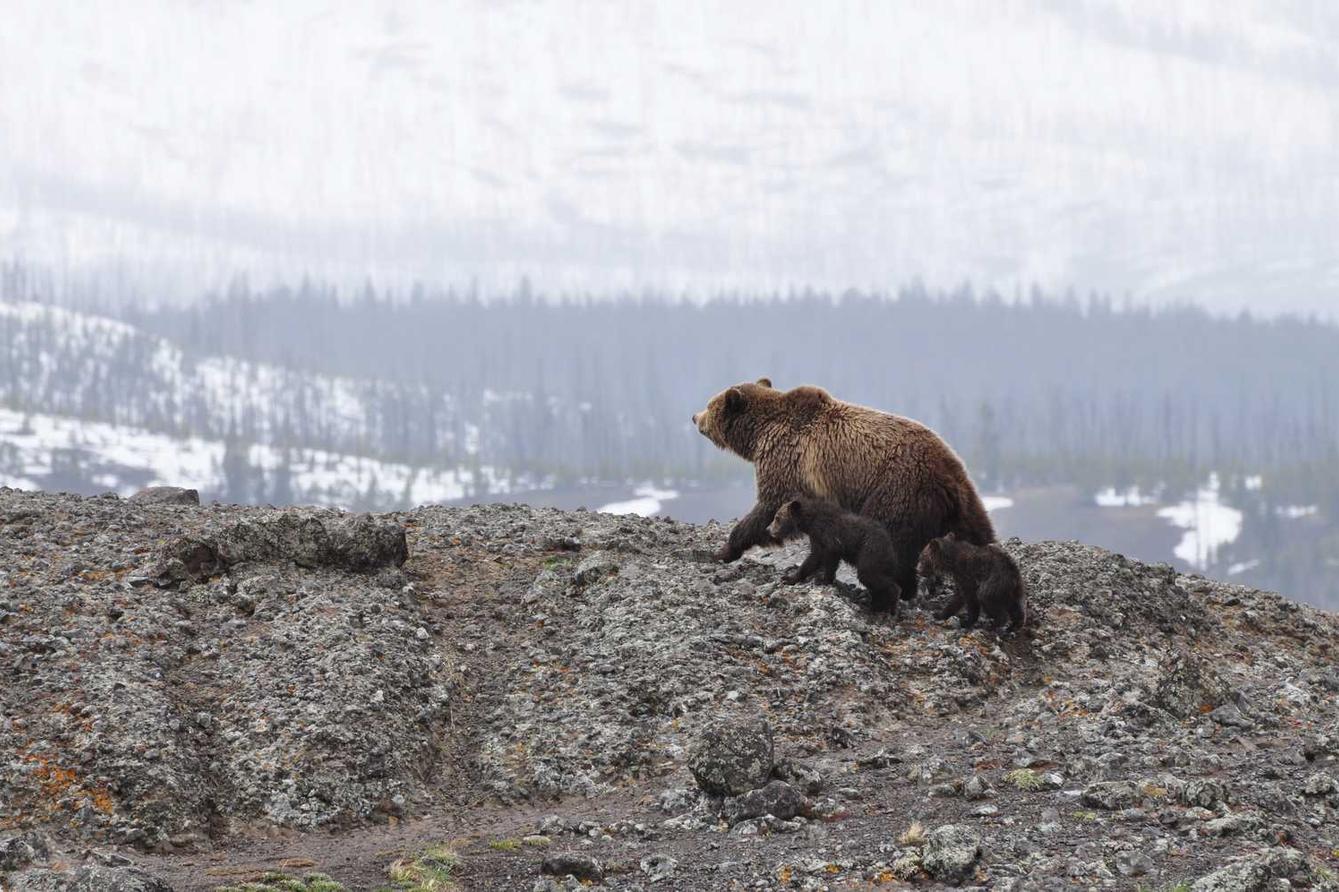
[55,782]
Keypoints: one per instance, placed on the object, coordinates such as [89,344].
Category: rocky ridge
[568,696]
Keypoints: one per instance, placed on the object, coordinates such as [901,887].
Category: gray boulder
[732,757]
[1253,873]
[950,853]
[166,495]
[356,542]
[583,867]
[778,799]
[1188,686]
[1109,795]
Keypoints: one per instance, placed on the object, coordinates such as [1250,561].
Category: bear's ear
[794,506]
[950,537]
[734,399]
[765,382]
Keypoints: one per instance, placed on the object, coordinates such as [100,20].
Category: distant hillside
[388,401]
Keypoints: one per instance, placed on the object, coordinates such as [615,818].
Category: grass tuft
[275,881]
[430,871]
[913,835]
[1023,779]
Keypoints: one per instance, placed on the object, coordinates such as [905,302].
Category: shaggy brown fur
[983,576]
[803,442]
[835,536]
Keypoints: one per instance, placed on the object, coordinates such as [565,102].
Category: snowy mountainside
[77,365]
[53,452]
[89,403]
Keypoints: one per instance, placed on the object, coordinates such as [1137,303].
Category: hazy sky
[1169,150]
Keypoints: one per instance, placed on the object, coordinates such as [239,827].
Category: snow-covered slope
[1171,150]
[73,364]
[52,452]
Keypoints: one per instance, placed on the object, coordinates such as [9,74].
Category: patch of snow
[1293,512]
[1255,481]
[1239,568]
[997,503]
[1128,498]
[1208,523]
[649,500]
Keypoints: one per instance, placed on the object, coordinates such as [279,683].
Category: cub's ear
[794,506]
[765,382]
[950,537]
[734,400]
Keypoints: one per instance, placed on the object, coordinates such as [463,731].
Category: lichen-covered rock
[1204,793]
[950,853]
[1189,686]
[362,542]
[778,799]
[1253,873]
[595,567]
[583,867]
[166,495]
[17,851]
[91,878]
[731,757]
[1109,795]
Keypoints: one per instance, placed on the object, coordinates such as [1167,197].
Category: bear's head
[786,523]
[733,417]
[935,554]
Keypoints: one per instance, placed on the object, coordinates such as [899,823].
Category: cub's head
[733,417]
[935,555]
[786,524]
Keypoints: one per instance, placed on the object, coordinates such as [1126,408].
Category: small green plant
[504,845]
[275,881]
[1024,779]
[430,871]
[1085,816]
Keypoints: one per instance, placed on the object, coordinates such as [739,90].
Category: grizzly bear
[835,536]
[983,576]
[802,442]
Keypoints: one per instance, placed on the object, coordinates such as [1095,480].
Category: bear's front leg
[750,531]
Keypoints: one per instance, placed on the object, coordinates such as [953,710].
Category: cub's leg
[811,565]
[882,587]
[828,574]
[907,544]
[973,604]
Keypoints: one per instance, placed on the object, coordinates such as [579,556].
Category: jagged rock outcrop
[177,678]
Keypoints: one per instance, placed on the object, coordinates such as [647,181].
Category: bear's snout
[694,418]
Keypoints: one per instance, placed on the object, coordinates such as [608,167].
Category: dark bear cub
[835,536]
[983,576]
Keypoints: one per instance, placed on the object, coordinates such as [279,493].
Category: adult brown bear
[802,442]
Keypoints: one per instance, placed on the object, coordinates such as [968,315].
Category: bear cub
[835,536]
[983,576]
